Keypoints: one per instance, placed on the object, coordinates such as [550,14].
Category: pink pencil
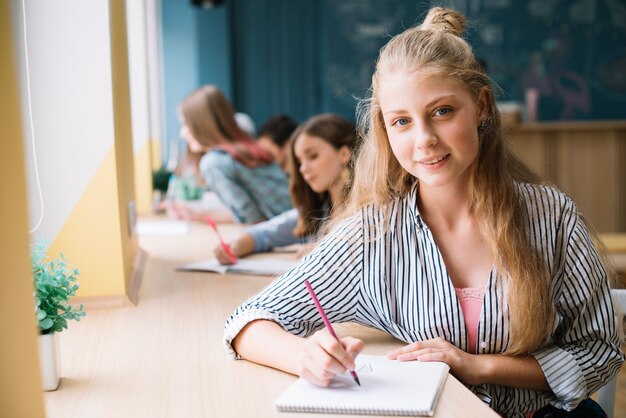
[230,253]
[327,322]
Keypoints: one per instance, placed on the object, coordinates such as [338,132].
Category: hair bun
[447,20]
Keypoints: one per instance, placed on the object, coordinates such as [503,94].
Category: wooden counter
[587,160]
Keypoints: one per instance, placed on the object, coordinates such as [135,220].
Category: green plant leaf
[46,323]
[53,284]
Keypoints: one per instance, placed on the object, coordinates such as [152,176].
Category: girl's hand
[323,357]
[222,256]
[466,367]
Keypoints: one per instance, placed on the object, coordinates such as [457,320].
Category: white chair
[606,394]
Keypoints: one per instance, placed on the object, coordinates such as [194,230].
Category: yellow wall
[90,238]
[20,386]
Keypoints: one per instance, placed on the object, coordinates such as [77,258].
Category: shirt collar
[411,202]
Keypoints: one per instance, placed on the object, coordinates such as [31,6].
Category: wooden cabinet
[587,160]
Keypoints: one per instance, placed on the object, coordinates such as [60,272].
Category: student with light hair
[241,173]
[451,244]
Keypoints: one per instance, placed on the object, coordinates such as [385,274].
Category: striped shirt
[252,194]
[394,279]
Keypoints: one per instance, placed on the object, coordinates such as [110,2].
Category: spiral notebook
[388,387]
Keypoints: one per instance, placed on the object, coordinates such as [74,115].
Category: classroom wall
[143,26]
[311,56]
[20,385]
[154,41]
[196,51]
[278,57]
[140,102]
[77,66]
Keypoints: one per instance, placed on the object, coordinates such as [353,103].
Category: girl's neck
[446,205]
[336,191]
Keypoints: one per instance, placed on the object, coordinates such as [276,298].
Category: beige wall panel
[20,386]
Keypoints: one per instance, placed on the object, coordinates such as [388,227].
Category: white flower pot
[49,361]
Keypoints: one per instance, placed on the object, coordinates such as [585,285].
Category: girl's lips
[431,161]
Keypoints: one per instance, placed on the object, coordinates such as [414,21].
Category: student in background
[274,137]
[450,243]
[320,154]
[235,167]
[187,182]
[186,196]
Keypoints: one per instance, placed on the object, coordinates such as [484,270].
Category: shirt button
[483,344]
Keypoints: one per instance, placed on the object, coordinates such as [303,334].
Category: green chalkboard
[309,56]
[572,53]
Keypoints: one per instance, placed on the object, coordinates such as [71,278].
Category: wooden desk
[164,357]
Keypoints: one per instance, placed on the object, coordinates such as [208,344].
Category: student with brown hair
[320,154]
[274,137]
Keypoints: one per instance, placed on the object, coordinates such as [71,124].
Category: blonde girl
[235,167]
[451,244]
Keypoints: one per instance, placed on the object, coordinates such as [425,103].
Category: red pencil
[327,322]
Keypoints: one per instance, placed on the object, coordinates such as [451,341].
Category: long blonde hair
[435,46]
[211,120]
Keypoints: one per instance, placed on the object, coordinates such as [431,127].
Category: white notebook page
[388,387]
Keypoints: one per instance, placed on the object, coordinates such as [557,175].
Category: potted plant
[54,283]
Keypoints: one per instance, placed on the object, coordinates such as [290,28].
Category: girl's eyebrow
[440,98]
[308,149]
[429,104]
[393,112]
[304,151]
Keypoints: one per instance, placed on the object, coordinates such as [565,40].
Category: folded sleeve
[275,232]
[334,271]
[585,352]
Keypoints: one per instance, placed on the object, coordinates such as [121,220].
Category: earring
[483,125]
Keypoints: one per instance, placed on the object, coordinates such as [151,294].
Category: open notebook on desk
[388,387]
[256,266]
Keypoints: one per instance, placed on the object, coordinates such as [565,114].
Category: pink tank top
[471,300]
